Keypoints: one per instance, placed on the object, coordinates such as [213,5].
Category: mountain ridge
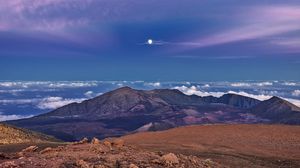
[126,110]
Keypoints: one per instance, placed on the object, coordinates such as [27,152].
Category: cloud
[243,84]
[43,103]
[153,84]
[289,83]
[41,15]
[296,93]
[49,84]
[56,102]
[72,84]
[206,86]
[240,84]
[13,117]
[293,101]
[91,94]
[193,90]
[19,101]
[260,22]
[258,97]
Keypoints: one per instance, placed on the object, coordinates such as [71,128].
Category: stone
[119,143]
[107,143]
[46,150]
[133,166]
[96,141]
[82,164]
[30,149]
[83,141]
[170,159]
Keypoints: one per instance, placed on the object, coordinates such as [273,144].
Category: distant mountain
[278,110]
[126,110]
[233,100]
[12,135]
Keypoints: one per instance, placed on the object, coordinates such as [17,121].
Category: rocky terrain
[99,154]
[13,135]
[253,146]
[126,110]
[230,145]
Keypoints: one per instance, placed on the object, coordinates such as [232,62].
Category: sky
[194,40]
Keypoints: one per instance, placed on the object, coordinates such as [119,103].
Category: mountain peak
[276,99]
[279,101]
[124,88]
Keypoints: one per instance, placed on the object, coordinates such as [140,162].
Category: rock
[99,166]
[107,143]
[156,161]
[30,149]
[82,164]
[133,166]
[119,143]
[83,141]
[170,159]
[208,162]
[9,164]
[96,141]
[3,156]
[46,150]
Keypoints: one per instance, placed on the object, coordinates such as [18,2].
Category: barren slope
[13,135]
[100,155]
[233,145]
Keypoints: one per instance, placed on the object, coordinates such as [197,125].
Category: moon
[150,41]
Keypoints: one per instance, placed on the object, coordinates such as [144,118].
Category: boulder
[170,159]
[46,150]
[30,149]
[82,164]
[133,166]
[119,143]
[83,141]
[96,141]
[107,143]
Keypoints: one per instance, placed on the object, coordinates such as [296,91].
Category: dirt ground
[99,154]
[230,145]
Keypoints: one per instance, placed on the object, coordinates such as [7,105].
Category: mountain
[278,111]
[126,110]
[233,100]
[12,135]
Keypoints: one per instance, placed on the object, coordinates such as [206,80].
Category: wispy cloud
[42,103]
[296,93]
[245,84]
[56,102]
[13,117]
[255,23]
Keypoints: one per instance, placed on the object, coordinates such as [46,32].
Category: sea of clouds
[21,99]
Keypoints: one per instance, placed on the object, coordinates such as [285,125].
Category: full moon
[150,41]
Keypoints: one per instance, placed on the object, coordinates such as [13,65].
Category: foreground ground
[98,154]
[231,145]
[192,146]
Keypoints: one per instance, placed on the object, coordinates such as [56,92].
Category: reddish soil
[231,145]
[99,155]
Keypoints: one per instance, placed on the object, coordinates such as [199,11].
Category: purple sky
[94,37]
